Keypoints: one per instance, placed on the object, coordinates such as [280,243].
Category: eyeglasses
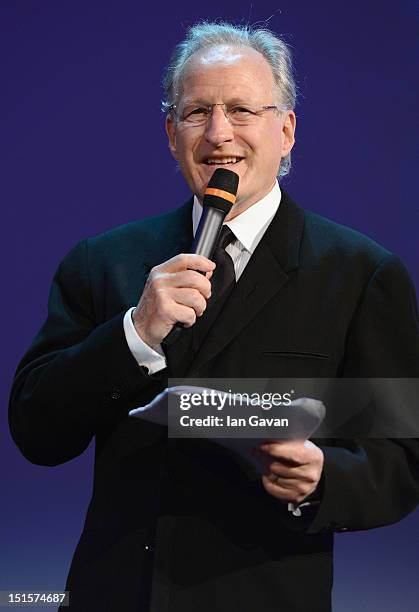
[236,114]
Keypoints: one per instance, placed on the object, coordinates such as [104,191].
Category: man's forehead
[224,56]
[246,68]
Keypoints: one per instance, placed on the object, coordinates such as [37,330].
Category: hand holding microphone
[177,290]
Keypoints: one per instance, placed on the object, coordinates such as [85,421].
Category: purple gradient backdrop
[83,148]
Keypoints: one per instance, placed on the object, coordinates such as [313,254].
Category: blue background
[83,148]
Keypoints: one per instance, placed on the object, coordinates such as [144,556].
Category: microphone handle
[208,231]
[206,237]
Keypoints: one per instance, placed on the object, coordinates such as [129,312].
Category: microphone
[219,197]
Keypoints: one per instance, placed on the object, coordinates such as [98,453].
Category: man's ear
[171,134]
[288,132]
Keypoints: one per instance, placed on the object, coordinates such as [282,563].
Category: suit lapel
[268,270]
[170,235]
[173,235]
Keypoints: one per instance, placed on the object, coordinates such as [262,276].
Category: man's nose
[218,128]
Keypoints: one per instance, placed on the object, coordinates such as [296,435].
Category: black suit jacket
[316,300]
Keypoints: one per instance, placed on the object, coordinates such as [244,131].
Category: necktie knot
[226,237]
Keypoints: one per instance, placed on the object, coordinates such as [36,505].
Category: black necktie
[180,354]
[224,276]
[222,282]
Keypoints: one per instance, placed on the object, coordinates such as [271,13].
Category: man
[178,525]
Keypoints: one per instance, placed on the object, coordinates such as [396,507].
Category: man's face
[230,75]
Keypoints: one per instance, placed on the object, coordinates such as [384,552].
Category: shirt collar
[250,225]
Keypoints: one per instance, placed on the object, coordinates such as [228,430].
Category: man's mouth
[212,161]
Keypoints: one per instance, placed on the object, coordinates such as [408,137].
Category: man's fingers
[283,469]
[293,452]
[286,471]
[293,468]
[187,261]
[188,279]
[191,280]
[295,494]
[285,483]
[191,298]
[184,314]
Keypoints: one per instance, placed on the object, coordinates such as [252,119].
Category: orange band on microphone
[220,193]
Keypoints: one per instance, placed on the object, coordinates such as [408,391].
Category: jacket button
[116,393]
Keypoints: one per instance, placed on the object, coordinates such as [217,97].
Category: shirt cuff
[311,500]
[295,509]
[144,355]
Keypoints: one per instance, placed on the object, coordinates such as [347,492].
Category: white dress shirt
[248,227]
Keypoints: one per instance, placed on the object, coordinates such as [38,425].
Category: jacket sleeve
[79,376]
[373,482]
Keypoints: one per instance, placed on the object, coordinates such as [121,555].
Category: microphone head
[222,189]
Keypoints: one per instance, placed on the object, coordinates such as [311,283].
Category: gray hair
[209,34]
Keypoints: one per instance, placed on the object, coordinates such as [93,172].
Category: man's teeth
[224,160]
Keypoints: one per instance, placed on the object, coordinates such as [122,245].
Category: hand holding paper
[293,468]
[302,417]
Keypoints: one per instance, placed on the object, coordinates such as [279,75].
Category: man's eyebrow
[229,102]
[195,102]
